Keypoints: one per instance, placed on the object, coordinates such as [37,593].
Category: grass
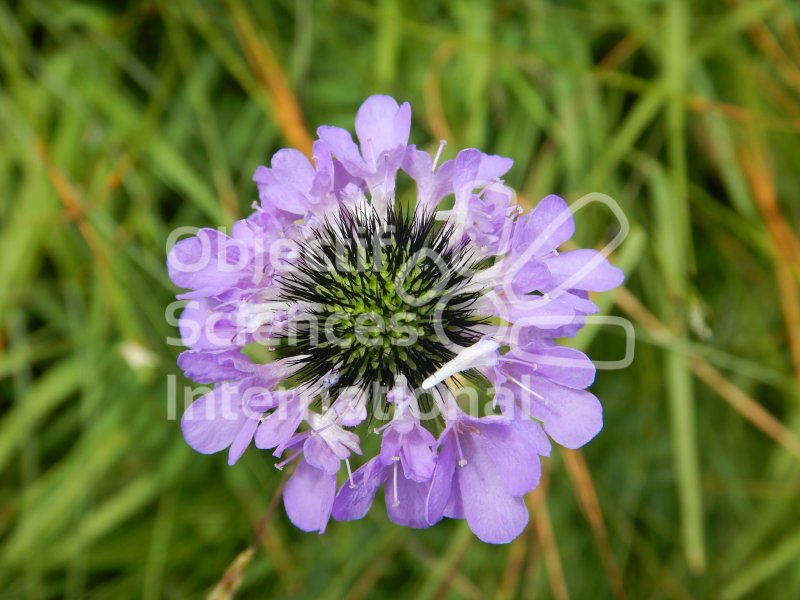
[120,125]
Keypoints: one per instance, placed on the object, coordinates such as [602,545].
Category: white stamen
[394,481]
[283,463]
[480,354]
[461,460]
[442,144]
[349,473]
[529,390]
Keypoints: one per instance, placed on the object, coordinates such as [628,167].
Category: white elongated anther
[481,354]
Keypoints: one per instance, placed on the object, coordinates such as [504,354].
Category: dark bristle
[337,275]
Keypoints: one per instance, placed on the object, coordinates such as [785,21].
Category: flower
[405,465]
[335,308]
[484,468]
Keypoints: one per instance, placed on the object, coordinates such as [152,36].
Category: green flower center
[383,297]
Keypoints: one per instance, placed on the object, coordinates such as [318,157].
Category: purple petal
[204,327]
[308,497]
[340,143]
[531,276]
[565,366]
[455,507]
[213,421]
[292,167]
[350,407]
[545,228]
[442,481]
[279,426]
[514,448]
[494,515]
[285,197]
[416,455]
[353,503]
[544,313]
[409,507]
[391,441]
[571,417]
[212,367]
[473,169]
[584,270]
[382,126]
[431,186]
[208,263]
[319,455]
[242,440]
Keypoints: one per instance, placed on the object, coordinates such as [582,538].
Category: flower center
[383,297]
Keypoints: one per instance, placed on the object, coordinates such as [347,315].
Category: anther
[283,463]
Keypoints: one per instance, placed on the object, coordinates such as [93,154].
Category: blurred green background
[122,121]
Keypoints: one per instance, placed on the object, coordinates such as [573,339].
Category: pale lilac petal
[584,270]
[530,277]
[212,422]
[391,441]
[465,173]
[351,407]
[319,455]
[407,506]
[286,198]
[292,167]
[544,313]
[493,167]
[416,455]
[212,367]
[353,503]
[514,448]
[279,426]
[202,327]
[382,126]
[578,303]
[431,186]
[494,515]
[242,440]
[473,169]
[442,481]
[567,367]
[563,365]
[455,507]
[571,417]
[341,144]
[308,497]
[545,228]
[208,263]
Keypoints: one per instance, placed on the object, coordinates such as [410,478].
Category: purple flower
[227,417]
[363,312]
[432,184]
[484,468]
[548,383]
[382,128]
[404,465]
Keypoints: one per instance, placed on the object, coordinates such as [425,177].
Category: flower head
[335,308]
